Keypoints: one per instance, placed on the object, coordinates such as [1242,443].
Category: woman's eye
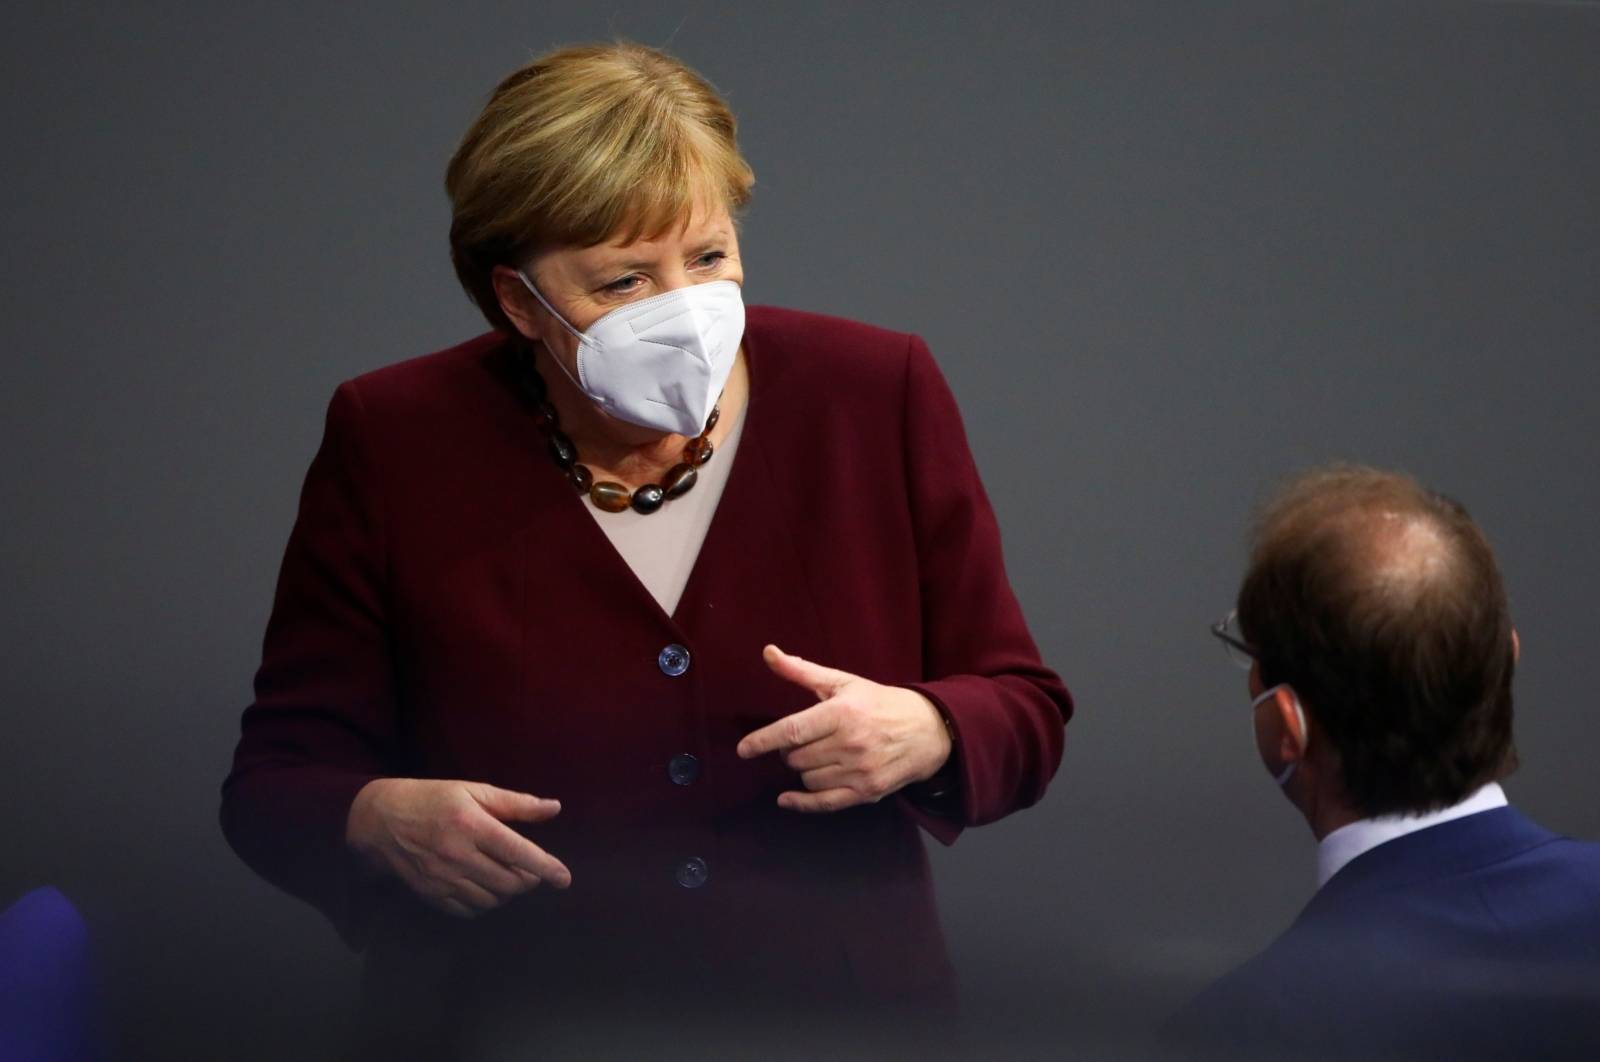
[623,285]
[710,258]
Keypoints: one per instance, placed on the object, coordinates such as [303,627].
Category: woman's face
[586,283]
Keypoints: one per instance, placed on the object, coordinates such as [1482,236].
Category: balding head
[1379,601]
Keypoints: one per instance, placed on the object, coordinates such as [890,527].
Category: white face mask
[661,362]
[1283,776]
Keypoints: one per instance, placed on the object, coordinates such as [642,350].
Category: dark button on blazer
[447,608]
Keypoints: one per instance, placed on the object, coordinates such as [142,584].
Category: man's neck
[1338,847]
[1322,803]
[1330,816]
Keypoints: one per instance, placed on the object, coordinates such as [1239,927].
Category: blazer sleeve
[1006,710]
[323,719]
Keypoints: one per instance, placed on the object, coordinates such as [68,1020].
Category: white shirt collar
[1348,842]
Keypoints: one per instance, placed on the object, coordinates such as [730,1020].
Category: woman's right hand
[449,842]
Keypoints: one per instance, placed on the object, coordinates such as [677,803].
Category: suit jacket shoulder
[1481,935]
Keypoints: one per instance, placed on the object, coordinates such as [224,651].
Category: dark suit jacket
[448,609]
[1475,939]
[49,984]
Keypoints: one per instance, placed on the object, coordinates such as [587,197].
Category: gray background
[1166,254]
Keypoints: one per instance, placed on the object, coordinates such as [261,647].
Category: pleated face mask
[661,362]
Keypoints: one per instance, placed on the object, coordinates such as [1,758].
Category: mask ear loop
[579,336]
[1305,728]
[542,302]
[1303,738]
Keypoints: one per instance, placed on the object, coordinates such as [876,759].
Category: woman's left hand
[863,741]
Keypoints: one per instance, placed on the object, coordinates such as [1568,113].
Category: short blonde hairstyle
[585,144]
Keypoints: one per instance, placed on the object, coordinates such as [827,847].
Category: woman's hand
[450,843]
[862,743]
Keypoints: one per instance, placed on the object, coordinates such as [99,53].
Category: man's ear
[1293,736]
[516,302]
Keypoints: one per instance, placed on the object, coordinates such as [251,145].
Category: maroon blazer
[448,609]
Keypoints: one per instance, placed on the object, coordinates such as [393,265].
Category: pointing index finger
[792,731]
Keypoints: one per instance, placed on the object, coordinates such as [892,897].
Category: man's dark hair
[1380,603]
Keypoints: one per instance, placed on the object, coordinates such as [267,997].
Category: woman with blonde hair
[619,654]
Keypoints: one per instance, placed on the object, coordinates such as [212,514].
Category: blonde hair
[584,144]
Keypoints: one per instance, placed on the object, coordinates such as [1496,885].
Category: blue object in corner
[48,1010]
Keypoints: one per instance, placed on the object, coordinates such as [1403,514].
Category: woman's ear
[516,302]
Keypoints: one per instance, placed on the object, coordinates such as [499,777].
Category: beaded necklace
[608,495]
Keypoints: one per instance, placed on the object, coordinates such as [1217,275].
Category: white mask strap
[600,402]
[542,302]
[1303,739]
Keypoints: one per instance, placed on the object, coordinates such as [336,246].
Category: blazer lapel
[750,541]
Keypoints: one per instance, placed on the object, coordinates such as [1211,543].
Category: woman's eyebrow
[717,235]
[607,266]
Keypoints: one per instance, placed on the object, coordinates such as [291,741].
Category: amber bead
[698,452]
[608,496]
[562,450]
[679,480]
[648,498]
